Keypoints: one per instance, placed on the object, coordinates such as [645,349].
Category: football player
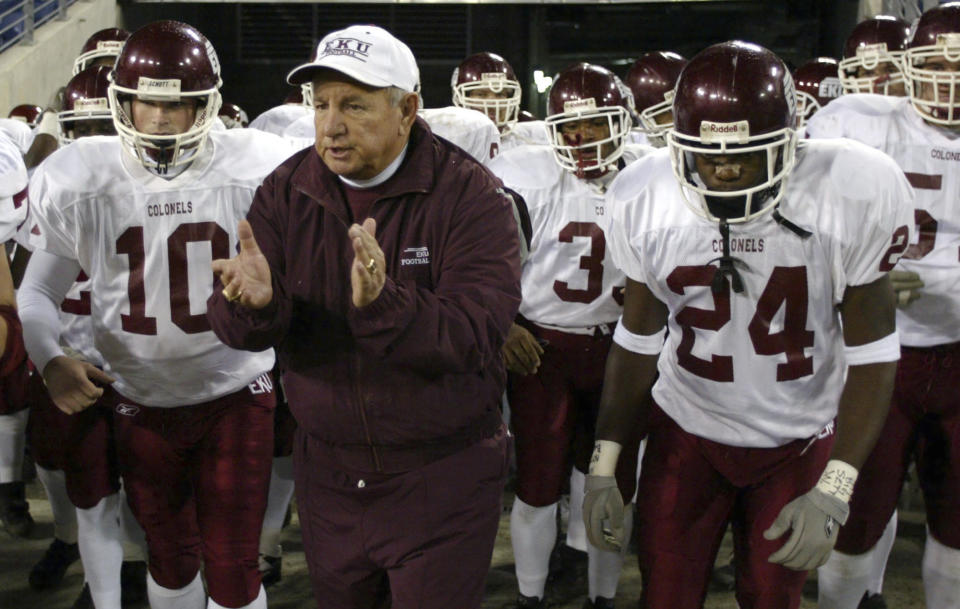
[571,300]
[920,133]
[872,56]
[14,509]
[485,82]
[75,453]
[817,84]
[743,256]
[651,79]
[101,49]
[192,418]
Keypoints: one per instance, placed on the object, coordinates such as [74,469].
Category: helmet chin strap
[727,267]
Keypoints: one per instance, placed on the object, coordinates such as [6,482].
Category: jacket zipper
[363,416]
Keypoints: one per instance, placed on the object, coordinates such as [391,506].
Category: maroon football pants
[923,426]
[690,488]
[196,479]
[553,414]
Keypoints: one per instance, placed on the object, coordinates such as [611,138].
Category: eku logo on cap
[351,47]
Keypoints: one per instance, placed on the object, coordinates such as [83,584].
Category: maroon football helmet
[651,80]
[933,89]
[165,61]
[871,57]
[818,83]
[233,116]
[734,98]
[105,43]
[27,113]
[585,93]
[86,110]
[486,82]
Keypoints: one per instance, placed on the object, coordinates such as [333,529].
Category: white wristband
[603,462]
[887,349]
[837,479]
[643,344]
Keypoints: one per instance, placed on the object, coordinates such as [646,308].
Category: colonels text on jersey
[851,207]
[147,242]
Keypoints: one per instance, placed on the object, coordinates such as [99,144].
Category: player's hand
[74,385]
[815,519]
[521,351]
[906,285]
[603,513]
[246,277]
[369,270]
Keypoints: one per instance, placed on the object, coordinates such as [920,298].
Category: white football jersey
[13,189]
[147,243]
[468,129]
[569,279]
[930,158]
[765,366]
[18,131]
[277,119]
[525,134]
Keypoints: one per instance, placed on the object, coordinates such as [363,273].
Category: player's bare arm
[630,372]
[868,316]
[246,277]
[871,349]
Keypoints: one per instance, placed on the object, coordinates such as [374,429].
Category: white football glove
[906,286]
[603,513]
[815,519]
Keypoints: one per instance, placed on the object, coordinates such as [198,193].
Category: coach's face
[360,129]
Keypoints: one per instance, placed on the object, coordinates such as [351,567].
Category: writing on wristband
[838,479]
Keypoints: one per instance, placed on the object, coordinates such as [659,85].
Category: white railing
[19,18]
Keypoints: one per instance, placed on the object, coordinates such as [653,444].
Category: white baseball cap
[366,53]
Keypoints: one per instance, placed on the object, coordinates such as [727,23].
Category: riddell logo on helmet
[110,45]
[352,47]
[580,105]
[87,105]
[737,132]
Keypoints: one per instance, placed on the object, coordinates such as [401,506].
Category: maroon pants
[690,488]
[417,540]
[553,414]
[81,444]
[923,426]
[196,479]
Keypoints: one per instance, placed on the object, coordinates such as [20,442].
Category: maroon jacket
[417,374]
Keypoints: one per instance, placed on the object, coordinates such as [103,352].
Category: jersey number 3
[130,243]
[787,288]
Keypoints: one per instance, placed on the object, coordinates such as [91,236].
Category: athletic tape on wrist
[887,349]
[837,479]
[643,344]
